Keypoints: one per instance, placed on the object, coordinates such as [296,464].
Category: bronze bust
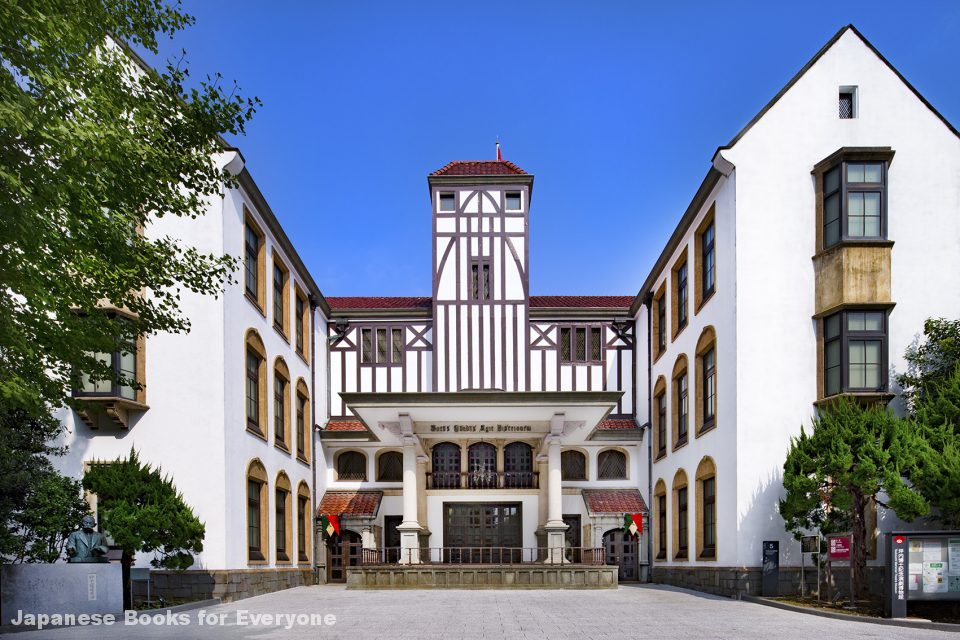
[86,544]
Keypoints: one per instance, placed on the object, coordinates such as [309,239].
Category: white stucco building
[483,420]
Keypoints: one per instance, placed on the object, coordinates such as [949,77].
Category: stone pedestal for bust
[60,588]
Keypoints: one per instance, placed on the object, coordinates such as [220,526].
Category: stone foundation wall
[482,577]
[733,581]
[228,585]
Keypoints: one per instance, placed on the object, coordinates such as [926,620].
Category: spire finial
[499,157]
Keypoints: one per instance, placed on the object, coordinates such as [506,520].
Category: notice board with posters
[924,565]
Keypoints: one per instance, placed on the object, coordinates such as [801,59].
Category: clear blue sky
[616,107]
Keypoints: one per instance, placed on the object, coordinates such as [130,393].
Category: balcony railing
[484,555]
[483,480]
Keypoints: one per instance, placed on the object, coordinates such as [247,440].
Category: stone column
[555,526]
[410,528]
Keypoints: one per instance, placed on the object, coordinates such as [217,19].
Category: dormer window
[447,202]
[513,201]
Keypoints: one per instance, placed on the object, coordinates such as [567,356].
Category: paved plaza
[628,612]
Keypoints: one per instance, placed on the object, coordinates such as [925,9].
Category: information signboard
[810,544]
[838,547]
[924,565]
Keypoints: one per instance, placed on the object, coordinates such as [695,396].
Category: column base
[409,542]
[556,542]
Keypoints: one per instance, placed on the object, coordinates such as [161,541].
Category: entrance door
[391,538]
[572,536]
[342,551]
[623,549]
[478,532]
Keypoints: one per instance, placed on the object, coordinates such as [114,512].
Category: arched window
[304,518]
[706,381]
[482,465]
[281,405]
[573,465]
[281,518]
[446,466]
[660,418]
[390,467]
[707,509]
[681,403]
[303,421]
[612,465]
[660,507]
[681,523]
[352,465]
[256,384]
[518,466]
[257,519]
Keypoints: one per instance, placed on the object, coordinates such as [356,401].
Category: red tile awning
[615,424]
[614,501]
[345,425]
[350,503]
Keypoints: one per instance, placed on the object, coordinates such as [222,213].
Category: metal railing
[484,555]
[483,480]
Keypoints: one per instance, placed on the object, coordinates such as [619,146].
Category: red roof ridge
[378,302]
[479,168]
[582,301]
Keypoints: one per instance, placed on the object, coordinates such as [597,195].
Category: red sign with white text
[839,548]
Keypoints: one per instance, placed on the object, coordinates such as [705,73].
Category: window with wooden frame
[382,345]
[281,405]
[660,504]
[304,519]
[480,283]
[681,524]
[660,406]
[301,332]
[573,465]
[681,403]
[660,324]
[611,465]
[855,351]
[125,371]
[281,298]
[679,294]
[705,260]
[854,201]
[257,519]
[351,466]
[281,519]
[706,509]
[256,384]
[706,378]
[390,467]
[302,404]
[581,344]
[254,262]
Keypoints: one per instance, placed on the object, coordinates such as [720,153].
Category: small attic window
[447,202]
[513,201]
[848,103]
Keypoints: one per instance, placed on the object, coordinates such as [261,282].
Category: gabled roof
[350,503]
[713,175]
[479,168]
[614,501]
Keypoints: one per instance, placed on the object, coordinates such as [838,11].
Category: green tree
[94,148]
[931,362]
[38,506]
[854,455]
[141,510]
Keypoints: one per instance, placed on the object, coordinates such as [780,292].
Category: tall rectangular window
[662,525]
[279,407]
[709,518]
[366,346]
[683,409]
[254,362]
[253,520]
[381,345]
[565,344]
[854,207]
[280,522]
[681,297]
[661,424]
[302,528]
[709,261]
[250,259]
[301,425]
[682,522]
[279,297]
[709,386]
[300,321]
[854,351]
[480,280]
[397,343]
[662,323]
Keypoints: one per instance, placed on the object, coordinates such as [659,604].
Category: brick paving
[629,612]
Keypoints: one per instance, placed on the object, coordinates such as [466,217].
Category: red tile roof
[614,501]
[350,503]
[581,301]
[381,302]
[479,168]
[613,424]
[345,424]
